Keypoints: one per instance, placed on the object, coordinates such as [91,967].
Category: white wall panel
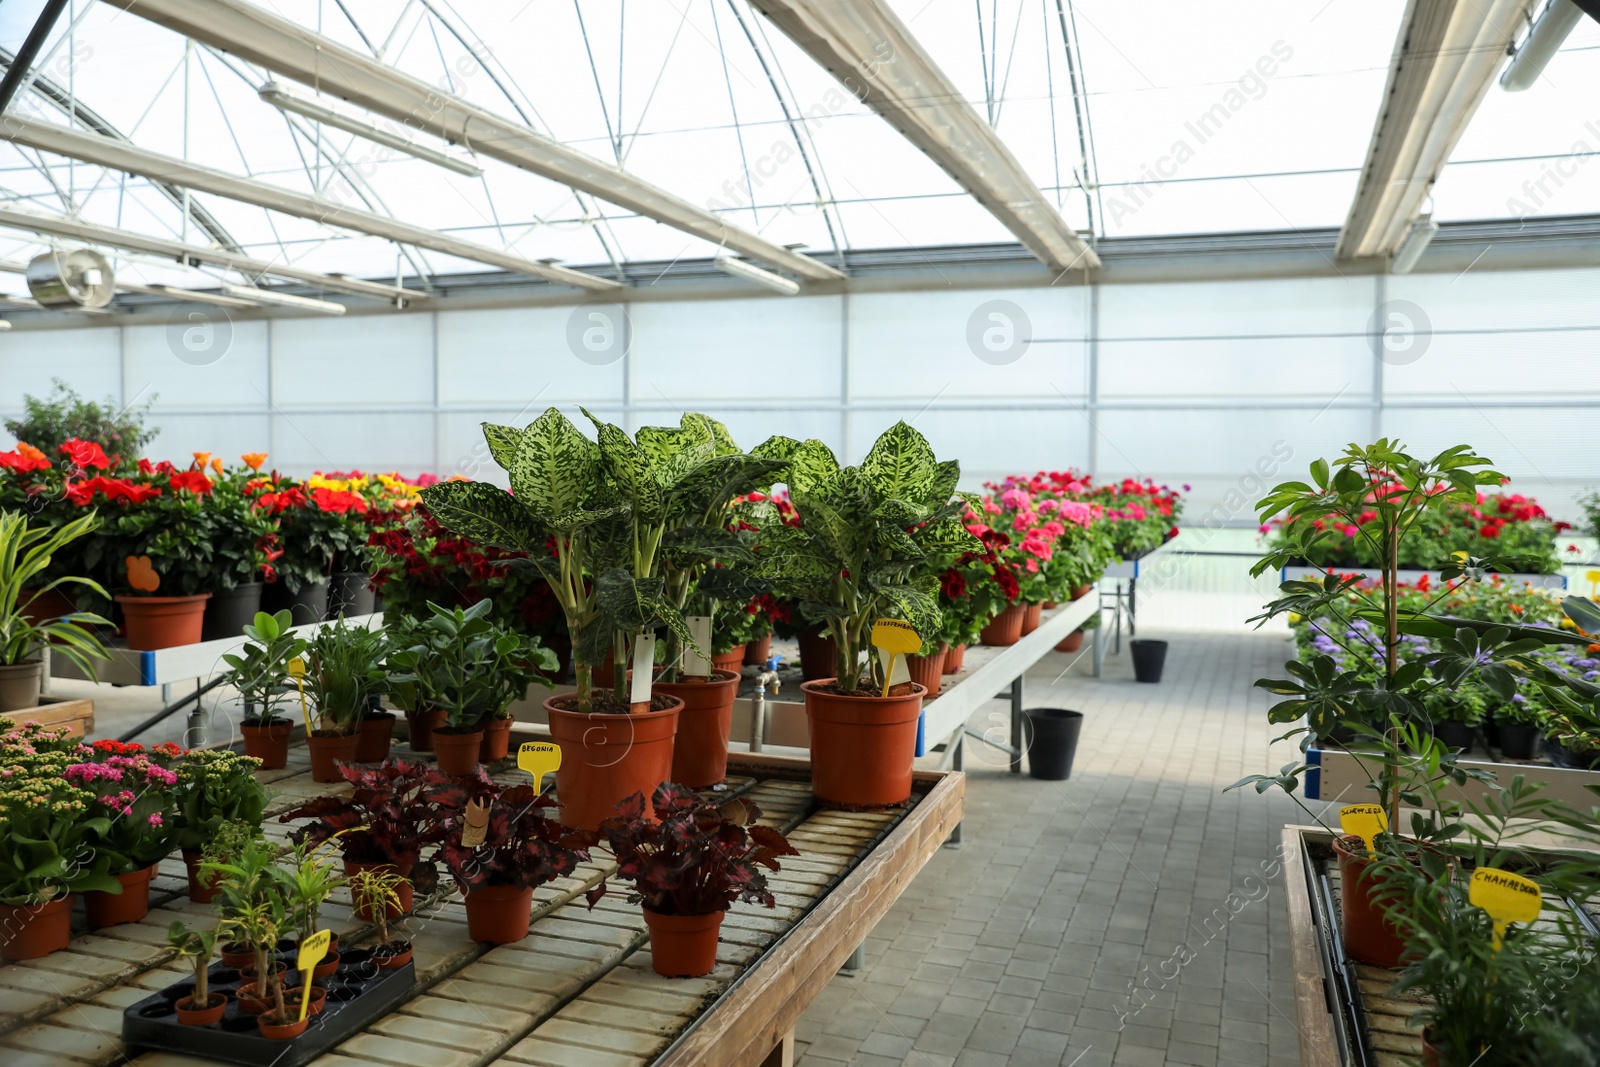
[736,349]
[1456,367]
[1237,308]
[306,442]
[86,359]
[158,362]
[227,437]
[1500,300]
[989,444]
[1301,368]
[366,360]
[517,359]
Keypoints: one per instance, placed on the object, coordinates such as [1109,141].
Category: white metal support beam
[874,55]
[1445,60]
[126,157]
[261,37]
[128,241]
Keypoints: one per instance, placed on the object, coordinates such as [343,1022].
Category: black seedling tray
[358,994]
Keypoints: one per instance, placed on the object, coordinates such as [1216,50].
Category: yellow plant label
[312,949]
[1365,821]
[297,668]
[477,827]
[539,758]
[896,637]
[1507,897]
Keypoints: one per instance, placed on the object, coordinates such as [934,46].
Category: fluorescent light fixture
[1414,244]
[752,273]
[7,300]
[1549,30]
[283,99]
[4,325]
[288,300]
[173,292]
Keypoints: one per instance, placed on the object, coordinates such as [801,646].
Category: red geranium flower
[85,454]
[194,481]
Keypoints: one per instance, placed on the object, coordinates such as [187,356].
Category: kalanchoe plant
[520,848]
[394,811]
[215,788]
[463,662]
[871,541]
[261,672]
[694,857]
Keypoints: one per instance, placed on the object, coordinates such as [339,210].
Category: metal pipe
[173,708]
[758,708]
[23,61]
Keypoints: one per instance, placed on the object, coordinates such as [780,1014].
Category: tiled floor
[1020,947]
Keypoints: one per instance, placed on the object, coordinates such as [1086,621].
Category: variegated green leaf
[901,464]
[486,514]
[946,537]
[554,469]
[630,470]
[915,606]
[713,483]
[504,442]
[945,478]
[812,464]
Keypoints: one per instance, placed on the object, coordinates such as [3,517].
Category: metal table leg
[1016,725]
[958,761]
[1098,637]
[1132,585]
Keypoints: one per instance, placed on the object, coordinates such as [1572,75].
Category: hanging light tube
[285,100]
[288,300]
[752,273]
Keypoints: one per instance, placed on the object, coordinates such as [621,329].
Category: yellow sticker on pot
[1365,821]
[539,758]
[897,638]
[1507,897]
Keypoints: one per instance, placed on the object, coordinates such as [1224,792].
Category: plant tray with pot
[358,995]
[1346,1012]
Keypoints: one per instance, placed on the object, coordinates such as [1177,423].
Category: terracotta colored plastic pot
[499,914]
[249,978]
[249,1003]
[38,607]
[393,961]
[954,658]
[683,946]
[319,1000]
[818,654]
[700,752]
[421,725]
[329,964]
[1005,628]
[269,744]
[19,685]
[457,753]
[327,752]
[496,740]
[237,956]
[862,747]
[928,671]
[403,890]
[129,906]
[730,660]
[1031,617]
[607,758]
[1368,935]
[152,622]
[284,1031]
[32,931]
[377,732]
[1082,591]
[1431,1056]
[189,1015]
[1070,643]
[757,652]
[201,891]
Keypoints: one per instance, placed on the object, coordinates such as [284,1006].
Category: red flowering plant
[160,513]
[318,521]
[766,613]
[247,547]
[521,847]
[33,483]
[1136,515]
[695,857]
[975,587]
[394,812]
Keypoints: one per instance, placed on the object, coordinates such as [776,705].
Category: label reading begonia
[694,664]
[539,758]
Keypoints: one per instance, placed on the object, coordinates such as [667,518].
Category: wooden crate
[75,714]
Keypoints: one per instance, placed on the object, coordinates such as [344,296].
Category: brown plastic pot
[730,660]
[928,671]
[19,685]
[392,961]
[33,931]
[326,969]
[237,955]
[496,744]
[1082,591]
[954,658]
[499,914]
[683,946]
[1431,1056]
[280,1030]
[862,747]
[201,890]
[421,725]
[39,607]
[152,622]
[607,758]
[403,890]
[114,909]
[757,652]
[1031,617]
[249,1003]
[329,751]
[1005,628]
[700,751]
[269,744]
[457,753]
[1369,936]
[1070,643]
[818,656]
[377,732]
[189,1015]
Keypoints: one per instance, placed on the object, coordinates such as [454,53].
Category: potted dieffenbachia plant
[871,544]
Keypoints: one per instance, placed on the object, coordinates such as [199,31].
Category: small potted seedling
[202,1007]
[375,893]
[250,889]
[225,845]
[312,879]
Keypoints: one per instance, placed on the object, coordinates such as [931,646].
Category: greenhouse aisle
[1019,947]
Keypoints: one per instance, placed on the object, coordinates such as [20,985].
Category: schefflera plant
[604,521]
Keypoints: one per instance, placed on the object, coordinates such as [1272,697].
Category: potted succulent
[261,675]
[217,805]
[25,555]
[520,849]
[393,812]
[344,672]
[687,866]
[867,548]
[377,894]
[133,815]
[203,1006]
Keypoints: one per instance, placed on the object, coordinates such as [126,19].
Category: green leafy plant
[25,555]
[464,662]
[261,672]
[50,421]
[227,843]
[253,891]
[196,946]
[344,672]
[217,796]
[312,878]
[375,892]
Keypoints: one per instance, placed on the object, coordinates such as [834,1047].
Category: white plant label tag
[644,665]
[898,671]
[695,665]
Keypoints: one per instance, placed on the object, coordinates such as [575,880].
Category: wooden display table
[578,992]
[75,715]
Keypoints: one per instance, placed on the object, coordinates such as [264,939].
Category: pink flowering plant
[48,822]
[134,801]
[1054,545]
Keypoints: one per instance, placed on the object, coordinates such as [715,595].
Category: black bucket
[349,595]
[1050,738]
[309,605]
[229,611]
[1455,735]
[1518,741]
[1148,659]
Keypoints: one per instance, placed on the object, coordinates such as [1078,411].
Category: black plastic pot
[1148,659]
[1518,741]
[309,605]
[229,611]
[349,595]
[1562,756]
[1455,734]
[1050,738]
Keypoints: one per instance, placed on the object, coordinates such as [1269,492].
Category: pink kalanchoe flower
[155,818]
